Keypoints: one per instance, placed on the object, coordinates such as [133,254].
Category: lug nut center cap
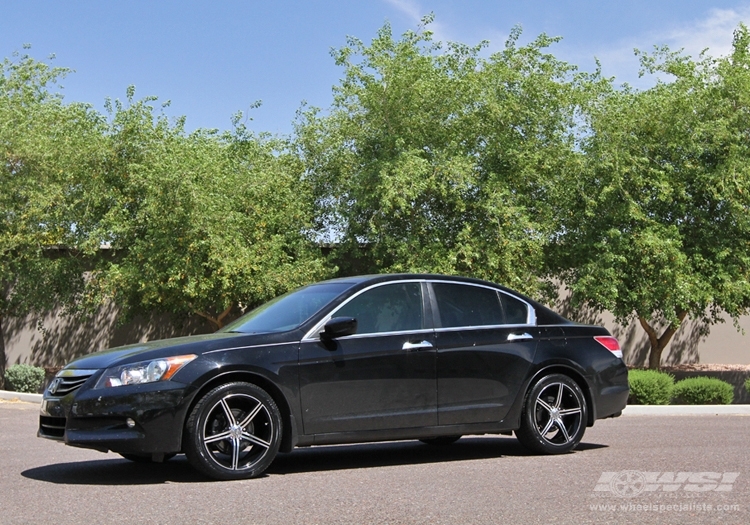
[235,431]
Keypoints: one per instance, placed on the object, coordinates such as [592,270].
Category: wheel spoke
[245,422]
[558,401]
[217,437]
[544,404]
[256,440]
[235,453]
[228,412]
[563,430]
[570,411]
[547,427]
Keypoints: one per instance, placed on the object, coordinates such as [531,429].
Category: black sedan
[357,359]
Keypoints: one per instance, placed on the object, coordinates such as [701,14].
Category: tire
[145,459]
[554,416]
[440,441]
[233,432]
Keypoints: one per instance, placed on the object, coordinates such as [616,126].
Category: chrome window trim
[530,312]
[481,327]
[377,334]
[314,333]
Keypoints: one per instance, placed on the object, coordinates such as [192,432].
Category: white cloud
[414,12]
[713,32]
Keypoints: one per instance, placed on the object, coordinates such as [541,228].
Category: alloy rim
[558,414]
[237,432]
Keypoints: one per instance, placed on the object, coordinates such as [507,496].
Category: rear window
[465,305]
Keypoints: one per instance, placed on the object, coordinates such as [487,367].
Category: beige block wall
[724,344]
[55,339]
[694,342]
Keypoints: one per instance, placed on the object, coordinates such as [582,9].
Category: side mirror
[339,327]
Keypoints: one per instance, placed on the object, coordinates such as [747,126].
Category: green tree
[45,147]
[205,223]
[658,226]
[435,159]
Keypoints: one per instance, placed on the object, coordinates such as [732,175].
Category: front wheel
[554,416]
[233,432]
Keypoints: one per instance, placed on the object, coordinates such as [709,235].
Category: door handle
[519,337]
[424,345]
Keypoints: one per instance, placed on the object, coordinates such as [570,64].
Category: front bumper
[139,419]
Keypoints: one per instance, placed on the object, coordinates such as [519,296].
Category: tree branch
[210,319]
[223,314]
[670,331]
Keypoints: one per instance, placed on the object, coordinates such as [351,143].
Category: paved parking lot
[635,469]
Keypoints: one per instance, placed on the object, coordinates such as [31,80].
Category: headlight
[143,372]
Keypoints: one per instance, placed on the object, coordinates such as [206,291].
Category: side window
[516,312]
[466,305]
[388,308]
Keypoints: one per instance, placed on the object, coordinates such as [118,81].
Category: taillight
[610,343]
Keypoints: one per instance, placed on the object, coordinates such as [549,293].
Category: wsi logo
[630,483]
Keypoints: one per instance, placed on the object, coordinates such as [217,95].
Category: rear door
[485,341]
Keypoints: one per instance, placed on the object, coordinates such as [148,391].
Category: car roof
[361,281]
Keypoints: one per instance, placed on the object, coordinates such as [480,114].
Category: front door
[382,377]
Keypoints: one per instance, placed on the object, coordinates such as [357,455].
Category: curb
[28,398]
[686,410]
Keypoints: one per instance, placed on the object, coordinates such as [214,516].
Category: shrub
[24,378]
[747,384]
[650,387]
[703,391]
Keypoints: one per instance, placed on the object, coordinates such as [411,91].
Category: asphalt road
[619,474]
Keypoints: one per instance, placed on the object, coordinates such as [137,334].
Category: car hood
[195,344]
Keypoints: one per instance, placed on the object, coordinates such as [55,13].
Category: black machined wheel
[554,416]
[233,432]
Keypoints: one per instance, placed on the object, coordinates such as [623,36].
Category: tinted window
[388,308]
[288,311]
[516,312]
[465,305]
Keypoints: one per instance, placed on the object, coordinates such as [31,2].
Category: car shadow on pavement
[312,459]
[368,455]
[116,472]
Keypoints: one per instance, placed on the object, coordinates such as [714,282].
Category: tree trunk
[2,355]
[659,342]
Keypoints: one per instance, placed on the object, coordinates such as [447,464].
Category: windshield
[288,311]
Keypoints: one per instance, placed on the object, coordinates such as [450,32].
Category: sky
[211,59]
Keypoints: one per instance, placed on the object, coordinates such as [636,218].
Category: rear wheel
[440,441]
[554,416]
[233,432]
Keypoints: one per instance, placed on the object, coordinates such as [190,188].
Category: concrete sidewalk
[630,410]
[686,410]
[29,398]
